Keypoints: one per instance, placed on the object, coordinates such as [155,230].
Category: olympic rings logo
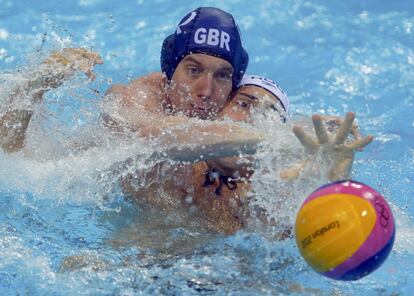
[383,212]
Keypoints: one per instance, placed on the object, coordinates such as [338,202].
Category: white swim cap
[268,85]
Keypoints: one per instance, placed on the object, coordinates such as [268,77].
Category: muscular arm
[50,74]
[19,105]
[138,108]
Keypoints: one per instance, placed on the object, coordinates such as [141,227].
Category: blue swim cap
[205,30]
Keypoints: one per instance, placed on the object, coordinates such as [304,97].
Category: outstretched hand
[338,147]
[75,59]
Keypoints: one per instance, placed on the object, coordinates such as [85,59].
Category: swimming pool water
[65,228]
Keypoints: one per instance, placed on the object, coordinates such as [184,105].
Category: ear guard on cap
[244,61]
[167,54]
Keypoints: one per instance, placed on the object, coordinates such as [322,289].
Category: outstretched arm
[138,108]
[49,75]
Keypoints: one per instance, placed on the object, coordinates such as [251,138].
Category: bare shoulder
[145,92]
[117,90]
[151,80]
[135,104]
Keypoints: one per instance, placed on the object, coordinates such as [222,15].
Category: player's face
[200,86]
[246,100]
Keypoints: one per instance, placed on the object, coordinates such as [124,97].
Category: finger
[341,170]
[91,75]
[57,57]
[88,71]
[73,51]
[345,128]
[94,57]
[359,144]
[320,129]
[355,132]
[305,139]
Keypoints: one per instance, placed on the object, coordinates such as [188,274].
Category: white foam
[4,34]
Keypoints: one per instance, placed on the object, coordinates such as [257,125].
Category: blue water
[65,228]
